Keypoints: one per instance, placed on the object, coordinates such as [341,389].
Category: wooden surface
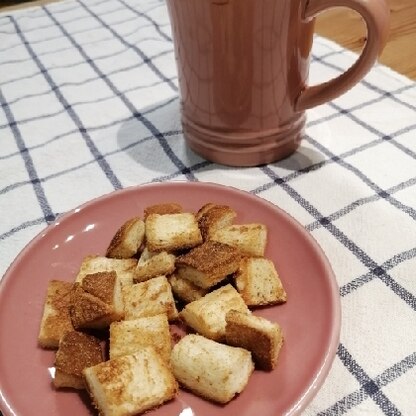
[21,4]
[346,28]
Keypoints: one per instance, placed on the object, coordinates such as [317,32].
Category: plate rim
[328,359]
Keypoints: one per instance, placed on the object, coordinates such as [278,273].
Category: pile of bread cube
[112,327]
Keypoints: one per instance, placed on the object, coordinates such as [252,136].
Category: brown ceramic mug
[243,70]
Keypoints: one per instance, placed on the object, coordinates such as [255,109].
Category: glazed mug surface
[243,72]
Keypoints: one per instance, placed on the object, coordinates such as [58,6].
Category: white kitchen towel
[89,104]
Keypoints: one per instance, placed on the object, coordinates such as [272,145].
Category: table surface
[346,28]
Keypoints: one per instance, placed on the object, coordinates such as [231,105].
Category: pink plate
[310,319]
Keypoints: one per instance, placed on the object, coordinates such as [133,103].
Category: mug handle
[376,16]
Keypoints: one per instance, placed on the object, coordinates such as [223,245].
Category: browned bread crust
[88,311]
[76,352]
[101,285]
[153,265]
[185,290]
[212,217]
[208,264]
[258,335]
[56,320]
[127,240]
[207,315]
[161,209]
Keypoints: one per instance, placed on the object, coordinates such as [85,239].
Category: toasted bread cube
[251,239]
[146,255]
[207,315]
[203,210]
[131,384]
[127,337]
[149,298]
[162,209]
[126,279]
[76,351]
[89,311]
[97,301]
[170,232]
[154,264]
[107,287]
[214,371]
[127,240]
[93,264]
[258,282]
[260,336]
[212,217]
[185,290]
[208,264]
[56,320]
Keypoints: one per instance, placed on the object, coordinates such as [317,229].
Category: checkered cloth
[89,104]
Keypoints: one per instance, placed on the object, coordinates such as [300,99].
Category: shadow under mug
[243,70]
